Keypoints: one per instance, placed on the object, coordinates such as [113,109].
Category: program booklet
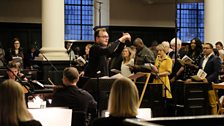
[200,75]
[185,59]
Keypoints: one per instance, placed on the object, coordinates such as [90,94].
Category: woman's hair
[123,99]
[12,104]
[198,48]
[161,47]
[130,54]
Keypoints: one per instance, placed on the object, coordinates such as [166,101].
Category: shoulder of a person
[30,123]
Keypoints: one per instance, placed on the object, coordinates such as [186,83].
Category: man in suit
[98,65]
[211,64]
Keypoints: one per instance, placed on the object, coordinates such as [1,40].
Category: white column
[214,21]
[104,7]
[53,30]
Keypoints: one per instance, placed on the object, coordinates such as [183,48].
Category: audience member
[15,52]
[127,60]
[71,96]
[32,53]
[167,47]
[195,53]
[179,54]
[219,47]
[70,51]
[163,69]
[123,103]
[13,110]
[211,64]
[100,51]
[143,56]
[87,49]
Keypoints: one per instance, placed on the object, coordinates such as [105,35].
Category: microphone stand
[49,62]
[165,88]
[98,93]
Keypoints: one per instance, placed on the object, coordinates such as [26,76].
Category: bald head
[138,43]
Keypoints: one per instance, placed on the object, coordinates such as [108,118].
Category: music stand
[100,90]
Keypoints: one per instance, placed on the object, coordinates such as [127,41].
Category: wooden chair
[217,87]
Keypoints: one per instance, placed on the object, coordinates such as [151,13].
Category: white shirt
[125,71]
[206,60]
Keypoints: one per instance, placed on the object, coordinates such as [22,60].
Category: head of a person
[173,41]
[101,36]
[68,45]
[161,50]
[70,76]
[87,48]
[16,43]
[195,45]
[127,53]
[166,45]
[138,43]
[13,70]
[12,101]
[207,49]
[219,45]
[123,99]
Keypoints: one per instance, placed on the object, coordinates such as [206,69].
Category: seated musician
[13,72]
[71,96]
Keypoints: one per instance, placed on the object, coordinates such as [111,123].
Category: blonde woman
[163,64]
[127,60]
[123,103]
[13,110]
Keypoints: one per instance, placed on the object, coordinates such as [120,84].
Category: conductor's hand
[125,37]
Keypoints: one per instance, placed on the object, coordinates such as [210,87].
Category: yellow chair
[217,87]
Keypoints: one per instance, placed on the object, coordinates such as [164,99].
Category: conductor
[101,50]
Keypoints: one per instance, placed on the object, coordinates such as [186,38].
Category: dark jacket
[98,58]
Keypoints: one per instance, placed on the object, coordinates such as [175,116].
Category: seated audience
[71,96]
[123,103]
[13,110]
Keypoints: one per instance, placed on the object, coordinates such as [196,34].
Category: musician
[71,96]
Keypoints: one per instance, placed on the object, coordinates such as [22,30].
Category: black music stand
[100,90]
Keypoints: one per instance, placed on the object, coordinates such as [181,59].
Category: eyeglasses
[104,36]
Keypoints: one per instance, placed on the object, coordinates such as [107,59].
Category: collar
[209,55]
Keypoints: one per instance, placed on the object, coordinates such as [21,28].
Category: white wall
[139,13]
[114,13]
[20,11]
